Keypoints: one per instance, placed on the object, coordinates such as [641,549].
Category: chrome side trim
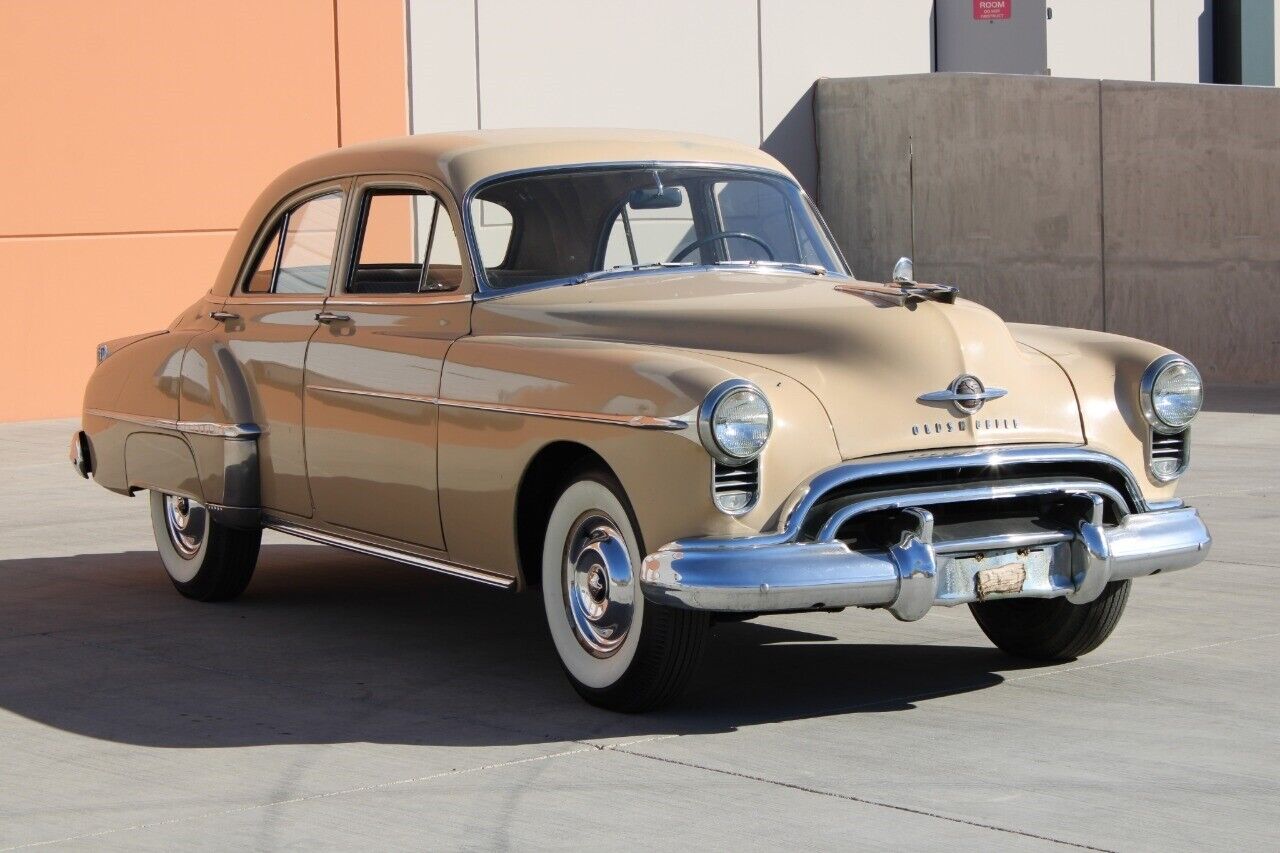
[245,431]
[445,567]
[636,421]
[355,392]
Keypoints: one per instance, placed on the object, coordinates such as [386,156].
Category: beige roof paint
[459,160]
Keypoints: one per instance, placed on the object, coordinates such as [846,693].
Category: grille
[1169,455]
[735,488]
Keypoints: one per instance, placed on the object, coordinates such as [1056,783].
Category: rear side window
[301,262]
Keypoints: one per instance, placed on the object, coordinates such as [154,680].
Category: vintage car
[632,370]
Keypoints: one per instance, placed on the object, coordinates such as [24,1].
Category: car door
[267,323]
[402,297]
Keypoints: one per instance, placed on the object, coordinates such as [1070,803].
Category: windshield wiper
[812,269]
[595,274]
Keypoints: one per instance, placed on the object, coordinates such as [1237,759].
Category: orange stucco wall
[136,135]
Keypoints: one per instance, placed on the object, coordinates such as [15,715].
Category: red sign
[992,10]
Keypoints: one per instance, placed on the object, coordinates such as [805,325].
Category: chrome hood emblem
[966,394]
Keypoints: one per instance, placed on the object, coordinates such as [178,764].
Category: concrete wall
[1191,221]
[137,134]
[1130,207]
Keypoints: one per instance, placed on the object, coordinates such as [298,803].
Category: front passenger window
[406,244]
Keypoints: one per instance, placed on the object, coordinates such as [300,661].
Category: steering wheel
[723,235]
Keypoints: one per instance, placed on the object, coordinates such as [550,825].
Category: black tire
[217,562]
[1052,629]
[660,649]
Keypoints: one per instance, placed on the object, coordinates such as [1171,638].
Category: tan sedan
[632,370]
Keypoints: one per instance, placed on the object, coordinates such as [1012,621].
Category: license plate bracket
[1007,579]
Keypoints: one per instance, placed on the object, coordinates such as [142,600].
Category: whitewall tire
[206,560]
[619,651]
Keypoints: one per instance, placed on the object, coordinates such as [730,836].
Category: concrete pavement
[345,702]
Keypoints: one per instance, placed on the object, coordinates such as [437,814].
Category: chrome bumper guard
[780,572]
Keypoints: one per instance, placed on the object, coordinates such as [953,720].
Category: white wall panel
[802,40]
[665,64]
[442,65]
[1182,32]
[1100,38]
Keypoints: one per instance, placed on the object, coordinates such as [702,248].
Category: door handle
[223,316]
[329,317]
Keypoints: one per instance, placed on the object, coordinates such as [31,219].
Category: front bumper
[788,570]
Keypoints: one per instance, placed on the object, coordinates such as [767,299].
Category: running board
[418,561]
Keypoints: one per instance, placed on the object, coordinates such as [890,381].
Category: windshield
[579,224]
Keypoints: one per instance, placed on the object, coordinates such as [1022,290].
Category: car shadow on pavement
[328,647]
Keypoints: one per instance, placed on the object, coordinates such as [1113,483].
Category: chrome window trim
[485,292]
[220,430]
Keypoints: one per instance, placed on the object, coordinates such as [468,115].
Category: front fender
[505,398]
[1106,371]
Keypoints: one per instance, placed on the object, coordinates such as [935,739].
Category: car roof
[461,159]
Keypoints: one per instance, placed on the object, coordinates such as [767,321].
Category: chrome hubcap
[599,590]
[186,521]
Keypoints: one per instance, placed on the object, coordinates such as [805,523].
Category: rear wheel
[206,560]
[1052,628]
[619,651]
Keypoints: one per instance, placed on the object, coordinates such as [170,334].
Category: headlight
[734,422]
[1172,393]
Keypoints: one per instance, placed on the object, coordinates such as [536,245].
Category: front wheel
[1052,629]
[206,560]
[619,651]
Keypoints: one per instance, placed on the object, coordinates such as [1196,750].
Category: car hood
[866,358]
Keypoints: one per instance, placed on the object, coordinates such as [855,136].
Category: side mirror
[656,198]
[904,272]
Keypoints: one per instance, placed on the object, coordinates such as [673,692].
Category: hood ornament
[966,394]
